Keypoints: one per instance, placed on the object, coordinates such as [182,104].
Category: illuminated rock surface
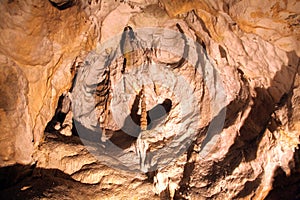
[246,94]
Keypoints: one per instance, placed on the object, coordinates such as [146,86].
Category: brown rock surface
[43,43]
[250,82]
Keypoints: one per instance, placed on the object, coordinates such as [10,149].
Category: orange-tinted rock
[253,46]
[44,43]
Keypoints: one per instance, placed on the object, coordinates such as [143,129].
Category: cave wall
[253,45]
[39,44]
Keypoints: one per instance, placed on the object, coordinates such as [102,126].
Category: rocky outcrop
[38,46]
[225,75]
[275,21]
[16,145]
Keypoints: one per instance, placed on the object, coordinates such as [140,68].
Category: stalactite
[143,110]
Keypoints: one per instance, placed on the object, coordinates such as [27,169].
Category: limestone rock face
[16,145]
[38,46]
[225,75]
[275,21]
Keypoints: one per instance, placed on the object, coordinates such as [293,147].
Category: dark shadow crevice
[184,184]
[63,4]
[20,182]
[249,187]
[61,111]
[287,186]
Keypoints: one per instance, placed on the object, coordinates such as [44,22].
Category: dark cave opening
[287,186]
[61,111]
[131,129]
[62,5]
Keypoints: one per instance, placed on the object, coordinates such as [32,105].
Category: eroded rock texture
[245,94]
[39,44]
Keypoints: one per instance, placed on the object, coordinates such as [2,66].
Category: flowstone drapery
[132,61]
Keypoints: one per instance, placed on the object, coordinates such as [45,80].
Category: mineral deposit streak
[142,145]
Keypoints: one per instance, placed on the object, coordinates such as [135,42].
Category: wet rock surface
[54,54]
